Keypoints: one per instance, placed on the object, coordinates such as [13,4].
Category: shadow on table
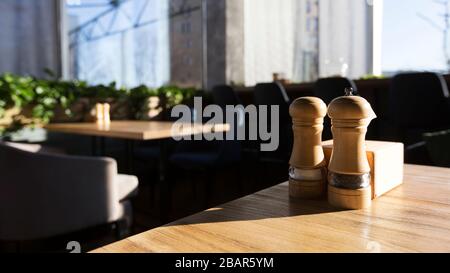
[267,204]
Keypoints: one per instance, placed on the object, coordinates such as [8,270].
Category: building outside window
[157,42]
[121,41]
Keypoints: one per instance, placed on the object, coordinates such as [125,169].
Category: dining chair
[209,157]
[438,146]
[274,94]
[418,103]
[45,194]
[328,89]
[224,95]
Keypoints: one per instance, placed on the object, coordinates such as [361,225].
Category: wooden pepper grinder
[349,171]
[307,174]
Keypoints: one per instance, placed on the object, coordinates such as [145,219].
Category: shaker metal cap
[350,107]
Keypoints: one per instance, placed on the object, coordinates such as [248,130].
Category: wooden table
[138,130]
[415,217]
[134,130]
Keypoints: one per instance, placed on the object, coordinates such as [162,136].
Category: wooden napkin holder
[385,161]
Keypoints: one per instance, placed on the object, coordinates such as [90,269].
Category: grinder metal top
[350,107]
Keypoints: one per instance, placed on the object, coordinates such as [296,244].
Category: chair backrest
[224,95]
[44,195]
[275,94]
[438,146]
[330,88]
[272,94]
[226,150]
[419,101]
[229,150]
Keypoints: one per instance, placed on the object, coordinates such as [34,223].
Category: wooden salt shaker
[349,171]
[99,111]
[106,113]
[307,174]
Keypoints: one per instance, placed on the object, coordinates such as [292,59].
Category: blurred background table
[132,130]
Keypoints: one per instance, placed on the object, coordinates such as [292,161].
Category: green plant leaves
[43,96]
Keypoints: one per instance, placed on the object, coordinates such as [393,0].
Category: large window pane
[203,43]
[122,41]
[413,36]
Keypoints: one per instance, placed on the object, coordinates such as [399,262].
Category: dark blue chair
[271,94]
[274,94]
[224,95]
[438,146]
[209,156]
[418,103]
[328,89]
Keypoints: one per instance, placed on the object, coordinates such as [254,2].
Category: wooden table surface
[414,217]
[132,129]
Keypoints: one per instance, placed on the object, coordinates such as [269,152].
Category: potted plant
[146,103]
[72,107]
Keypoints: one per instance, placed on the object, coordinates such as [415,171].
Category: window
[122,41]
[133,42]
[155,42]
[186,27]
[413,36]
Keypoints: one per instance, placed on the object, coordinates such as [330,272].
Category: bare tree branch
[444,30]
[430,21]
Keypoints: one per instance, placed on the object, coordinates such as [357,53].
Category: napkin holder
[385,161]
